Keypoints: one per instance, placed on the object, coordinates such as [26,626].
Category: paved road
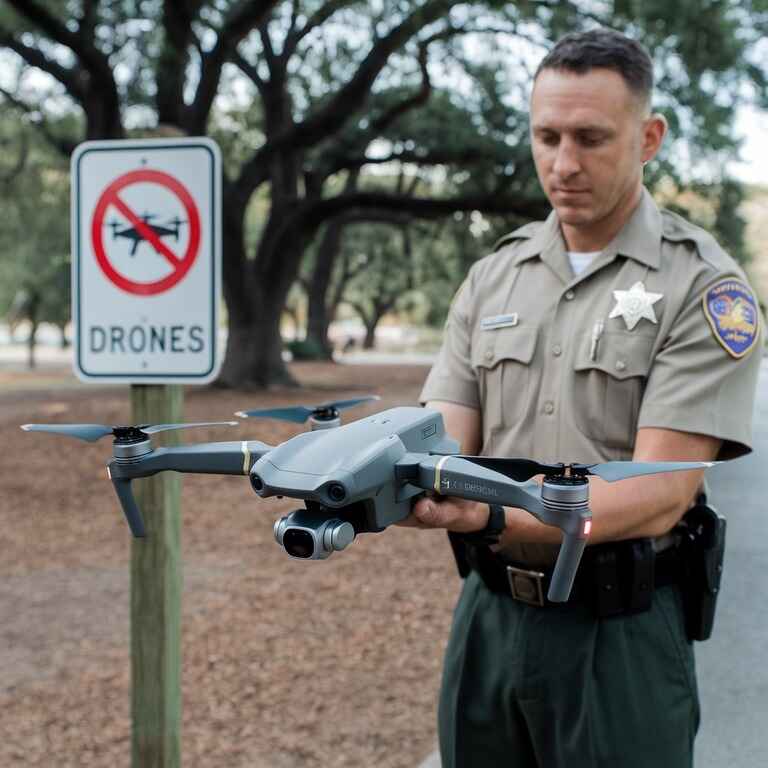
[733,664]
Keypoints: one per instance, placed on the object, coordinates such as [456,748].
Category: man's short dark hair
[602,48]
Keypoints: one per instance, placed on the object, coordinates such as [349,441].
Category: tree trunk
[31,343]
[254,357]
[318,317]
[321,311]
[63,340]
[255,297]
[370,333]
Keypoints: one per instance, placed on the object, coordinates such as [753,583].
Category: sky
[752,125]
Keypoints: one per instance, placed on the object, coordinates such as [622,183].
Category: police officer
[612,330]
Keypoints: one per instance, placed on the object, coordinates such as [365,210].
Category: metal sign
[146,260]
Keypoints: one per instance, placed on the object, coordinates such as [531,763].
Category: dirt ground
[285,663]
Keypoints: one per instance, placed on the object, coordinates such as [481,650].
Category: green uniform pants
[555,687]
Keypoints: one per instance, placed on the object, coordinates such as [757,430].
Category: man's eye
[550,139]
[590,140]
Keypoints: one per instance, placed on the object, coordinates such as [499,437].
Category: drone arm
[452,476]
[231,458]
[128,503]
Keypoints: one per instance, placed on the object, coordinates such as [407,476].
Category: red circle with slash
[181,264]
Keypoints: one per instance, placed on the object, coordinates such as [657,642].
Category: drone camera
[299,543]
[312,536]
[256,483]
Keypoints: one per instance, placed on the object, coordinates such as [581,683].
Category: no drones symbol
[146,260]
[129,231]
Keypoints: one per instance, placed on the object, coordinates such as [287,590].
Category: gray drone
[365,476]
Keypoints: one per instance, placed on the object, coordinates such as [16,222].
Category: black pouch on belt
[703,548]
[622,577]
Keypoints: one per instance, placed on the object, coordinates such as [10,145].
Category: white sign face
[146,260]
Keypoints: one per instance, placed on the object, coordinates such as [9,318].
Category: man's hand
[449,512]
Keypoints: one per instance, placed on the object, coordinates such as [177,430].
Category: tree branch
[67,77]
[84,49]
[295,36]
[249,70]
[87,23]
[38,119]
[242,18]
[438,157]
[20,162]
[172,63]
[266,44]
[337,110]
[382,122]
[312,212]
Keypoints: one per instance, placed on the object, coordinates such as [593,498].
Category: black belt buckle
[526,586]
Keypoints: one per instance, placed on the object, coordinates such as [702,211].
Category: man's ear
[654,130]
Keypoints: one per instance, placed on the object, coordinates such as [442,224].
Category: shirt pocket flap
[516,344]
[620,354]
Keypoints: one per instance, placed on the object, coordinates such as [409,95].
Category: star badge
[634,305]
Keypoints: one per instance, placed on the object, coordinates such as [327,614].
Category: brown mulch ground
[331,663]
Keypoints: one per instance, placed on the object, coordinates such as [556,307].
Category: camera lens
[336,492]
[298,543]
[257,483]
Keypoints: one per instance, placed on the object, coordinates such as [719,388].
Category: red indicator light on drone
[587,527]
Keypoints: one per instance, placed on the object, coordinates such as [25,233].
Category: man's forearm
[642,506]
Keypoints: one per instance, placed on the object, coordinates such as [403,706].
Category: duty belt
[615,578]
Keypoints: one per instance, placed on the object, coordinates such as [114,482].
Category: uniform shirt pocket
[608,390]
[502,360]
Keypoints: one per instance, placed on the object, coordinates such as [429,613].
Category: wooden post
[156,584]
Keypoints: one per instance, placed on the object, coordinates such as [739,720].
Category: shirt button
[549,407]
[488,354]
[620,365]
[570,295]
[557,350]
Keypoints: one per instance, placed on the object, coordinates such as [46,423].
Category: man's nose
[567,159]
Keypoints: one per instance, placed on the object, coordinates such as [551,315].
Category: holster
[702,541]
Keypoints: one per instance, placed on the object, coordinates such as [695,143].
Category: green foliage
[444,115]
[34,209]
[305,349]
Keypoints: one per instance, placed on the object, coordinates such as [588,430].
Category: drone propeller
[300,413]
[92,432]
[611,471]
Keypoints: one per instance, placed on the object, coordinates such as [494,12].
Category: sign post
[146,277]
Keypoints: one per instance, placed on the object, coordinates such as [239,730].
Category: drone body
[365,475]
[353,466]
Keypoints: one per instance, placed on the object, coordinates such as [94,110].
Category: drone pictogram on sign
[140,229]
[171,229]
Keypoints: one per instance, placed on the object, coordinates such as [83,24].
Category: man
[610,331]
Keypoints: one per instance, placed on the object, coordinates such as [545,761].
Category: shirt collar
[639,238]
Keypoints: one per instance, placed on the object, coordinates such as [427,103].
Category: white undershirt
[580,260]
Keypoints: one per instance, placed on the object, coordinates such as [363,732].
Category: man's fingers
[429,514]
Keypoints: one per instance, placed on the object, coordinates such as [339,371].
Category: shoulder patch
[733,315]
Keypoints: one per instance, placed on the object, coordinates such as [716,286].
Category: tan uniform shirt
[657,332]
